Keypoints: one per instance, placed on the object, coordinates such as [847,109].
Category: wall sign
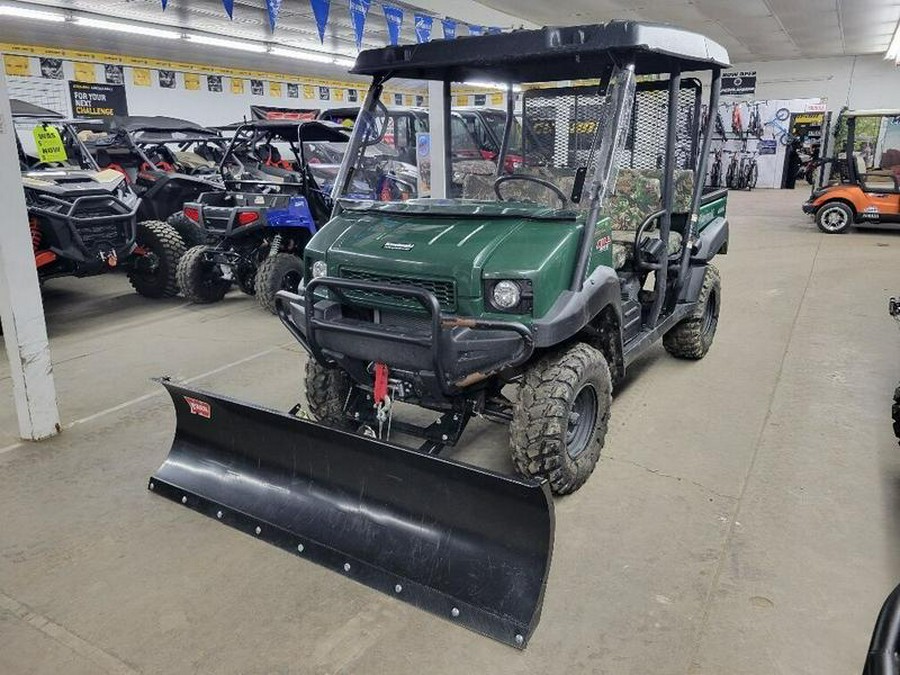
[767,146]
[738,83]
[98,100]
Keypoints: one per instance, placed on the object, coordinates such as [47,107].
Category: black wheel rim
[291,281]
[582,420]
[710,315]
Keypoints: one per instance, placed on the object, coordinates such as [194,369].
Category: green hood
[460,241]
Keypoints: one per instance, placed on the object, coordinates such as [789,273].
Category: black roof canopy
[306,131]
[548,54]
[22,108]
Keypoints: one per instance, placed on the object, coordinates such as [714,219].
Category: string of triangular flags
[359,12]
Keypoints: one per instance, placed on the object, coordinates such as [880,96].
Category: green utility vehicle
[524,301]
[551,279]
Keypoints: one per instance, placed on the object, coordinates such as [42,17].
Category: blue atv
[258,227]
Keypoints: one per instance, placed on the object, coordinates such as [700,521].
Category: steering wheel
[532,179]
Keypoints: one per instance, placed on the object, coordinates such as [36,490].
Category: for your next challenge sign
[97,100]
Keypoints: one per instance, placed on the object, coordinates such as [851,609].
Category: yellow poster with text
[17,65]
[49,144]
[337,94]
[275,89]
[461,100]
[140,77]
[237,85]
[85,72]
[496,99]
[309,92]
[192,81]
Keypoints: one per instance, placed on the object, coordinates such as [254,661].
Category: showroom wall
[857,81]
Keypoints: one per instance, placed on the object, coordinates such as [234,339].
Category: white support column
[21,308]
[436,127]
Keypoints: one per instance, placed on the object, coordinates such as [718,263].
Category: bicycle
[749,171]
[754,122]
[780,133]
[737,123]
[731,175]
[715,171]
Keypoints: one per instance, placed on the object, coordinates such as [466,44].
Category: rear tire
[834,217]
[191,233]
[326,393]
[895,412]
[279,272]
[561,416]
[153,275]
[201,281]
[692,337]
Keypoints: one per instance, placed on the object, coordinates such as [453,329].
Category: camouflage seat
[638,195]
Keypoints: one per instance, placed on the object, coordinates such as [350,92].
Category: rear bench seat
[637,195]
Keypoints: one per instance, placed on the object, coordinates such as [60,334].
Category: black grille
[443,290]
[102,236]
[216,217]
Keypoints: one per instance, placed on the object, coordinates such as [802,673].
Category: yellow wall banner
[140,77]
[337,94]
[496,99]
[275,89]
[192,81]
[461,100]
[309,91]
[85,72]
[17,65]
[237,85]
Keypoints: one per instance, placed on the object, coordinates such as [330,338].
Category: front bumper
[438,355]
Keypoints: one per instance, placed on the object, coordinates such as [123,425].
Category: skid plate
[464,543]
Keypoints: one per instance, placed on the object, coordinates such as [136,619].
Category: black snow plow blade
[461,542]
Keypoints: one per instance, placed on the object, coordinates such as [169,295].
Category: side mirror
[578,187]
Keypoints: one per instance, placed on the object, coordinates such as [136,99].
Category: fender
[295,214]
[712,241]
[573,310]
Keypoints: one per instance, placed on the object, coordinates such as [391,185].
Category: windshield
[562,152]
[46,145]
[496,122]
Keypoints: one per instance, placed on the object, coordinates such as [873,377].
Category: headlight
[319,269]
[506,294]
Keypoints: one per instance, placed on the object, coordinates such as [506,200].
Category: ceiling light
[259,48]
[893,51]
[346,63]
[127,28]
[301,55]
[23,13]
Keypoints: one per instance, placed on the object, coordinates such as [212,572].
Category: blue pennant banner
[229,8]
[320,9]
[393,17]
[424,24]
[494,30]
[273,7]
[476,30]
[164,3]
[359,9]
[449,29]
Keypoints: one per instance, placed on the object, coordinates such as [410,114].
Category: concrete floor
[742,519]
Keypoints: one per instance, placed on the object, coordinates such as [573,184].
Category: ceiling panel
[807,28]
